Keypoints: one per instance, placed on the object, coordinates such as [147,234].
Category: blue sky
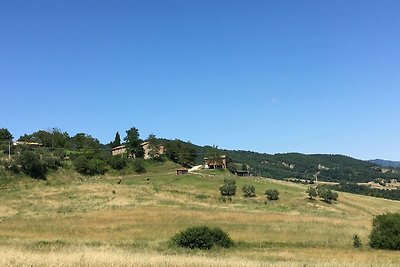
[268,76]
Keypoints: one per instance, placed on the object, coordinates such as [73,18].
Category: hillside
[386,163]
[127,220]
[333,168]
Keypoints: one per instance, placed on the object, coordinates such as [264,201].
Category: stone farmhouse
[215,163]
[122,150]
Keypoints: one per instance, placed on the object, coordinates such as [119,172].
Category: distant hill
[335,168]
[386,163]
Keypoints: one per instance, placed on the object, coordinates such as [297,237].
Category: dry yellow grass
[111,256]
[96,222]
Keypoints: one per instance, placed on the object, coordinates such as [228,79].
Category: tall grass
[111,256]
[72,220]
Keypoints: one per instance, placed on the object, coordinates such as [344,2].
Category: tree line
[87,154]
[38,153]
[335,168]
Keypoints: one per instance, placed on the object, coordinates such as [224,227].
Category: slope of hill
[127,220]
[335,168]
[386,163]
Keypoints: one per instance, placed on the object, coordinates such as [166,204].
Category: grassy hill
[127,220]
[333,168]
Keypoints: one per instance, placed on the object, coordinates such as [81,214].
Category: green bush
[117,162]
[249,190]
[88,165]
[52,162]
[272,194]
[221,238]
[32,164]
[327,195]
[356,241]
[312,192]
[202,237]
[385,232]
[139,166]
[35,163]
[228,188]
[9,165]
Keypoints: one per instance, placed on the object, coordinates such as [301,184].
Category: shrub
[9,165]
[328,195]
[312,192]
[88,165]
[117,162]
[272,194]
[385,232]
[228,188]
[32,164]
[51,161]
[14,167]
[356,241]
[221,238]
[202,237]
[138,166]
[249,190]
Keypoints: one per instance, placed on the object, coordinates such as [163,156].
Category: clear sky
[268,76]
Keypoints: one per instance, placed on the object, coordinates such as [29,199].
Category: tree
[385,232]
[327,195]
[5,139]
[212,151]
[249,190]
[181,152]
[312,192]
[133,142]
[117,140]
[5,135]
[232,167]
[154,149]
[272,194]
[60,139]
[84,141]
[228,189]
[53,138]
[244,167]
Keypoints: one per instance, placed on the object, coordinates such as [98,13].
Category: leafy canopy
[228,188]
[385,232]
[133,142]
[249,190]
[272,194]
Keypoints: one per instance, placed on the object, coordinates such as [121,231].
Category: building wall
[215,163]
[146,149]
[118,150]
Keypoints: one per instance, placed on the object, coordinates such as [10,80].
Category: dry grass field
[71,220]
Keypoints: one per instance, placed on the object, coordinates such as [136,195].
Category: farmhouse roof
[118,147]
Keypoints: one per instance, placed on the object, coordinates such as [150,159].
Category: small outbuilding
[182,171]
[242,173]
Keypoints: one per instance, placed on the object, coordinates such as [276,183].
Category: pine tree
[117,140]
